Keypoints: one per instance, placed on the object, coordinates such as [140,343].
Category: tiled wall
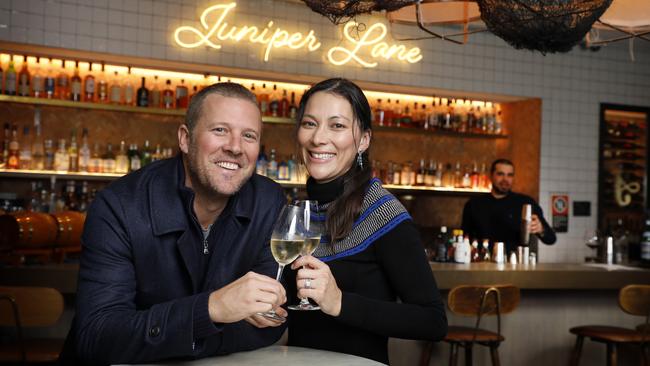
[571,85]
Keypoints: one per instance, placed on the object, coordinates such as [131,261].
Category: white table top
[280,356]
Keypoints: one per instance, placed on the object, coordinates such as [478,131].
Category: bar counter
[542,276]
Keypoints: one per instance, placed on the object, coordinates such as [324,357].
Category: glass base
[273,316]
[307,306]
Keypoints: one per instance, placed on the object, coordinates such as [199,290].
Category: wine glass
[287,241]
[313,230]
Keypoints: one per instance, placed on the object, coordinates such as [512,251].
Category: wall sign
[366,49]
[560,212]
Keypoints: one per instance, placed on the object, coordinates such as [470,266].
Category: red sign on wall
[560,212]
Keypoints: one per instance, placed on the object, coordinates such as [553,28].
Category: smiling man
[497,216]
[175,260]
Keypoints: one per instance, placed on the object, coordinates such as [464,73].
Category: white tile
[100,15]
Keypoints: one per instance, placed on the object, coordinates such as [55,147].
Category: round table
[280,356]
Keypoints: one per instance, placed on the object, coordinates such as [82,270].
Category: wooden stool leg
[468,353]
[426,354]
[611,354]
[577,351]
[494,354]
[453,354]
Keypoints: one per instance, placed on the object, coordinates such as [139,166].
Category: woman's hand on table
[322,285]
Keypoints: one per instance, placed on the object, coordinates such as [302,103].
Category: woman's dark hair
[346,208]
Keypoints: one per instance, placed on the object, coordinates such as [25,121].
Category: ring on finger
[308,283]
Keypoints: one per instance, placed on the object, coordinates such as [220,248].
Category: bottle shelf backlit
[48,174]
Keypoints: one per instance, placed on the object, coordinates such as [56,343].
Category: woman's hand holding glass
[322,285]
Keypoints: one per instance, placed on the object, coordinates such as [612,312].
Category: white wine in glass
[287,242]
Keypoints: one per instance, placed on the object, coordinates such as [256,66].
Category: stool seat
[466,334]
[37,351]
[607,333]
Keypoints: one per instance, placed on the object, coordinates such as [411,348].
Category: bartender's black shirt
[499,219]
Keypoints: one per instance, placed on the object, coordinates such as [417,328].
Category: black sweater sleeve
[421,313]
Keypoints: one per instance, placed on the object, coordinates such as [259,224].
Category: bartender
[497,216]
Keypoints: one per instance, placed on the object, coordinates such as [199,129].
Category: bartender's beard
[502,191]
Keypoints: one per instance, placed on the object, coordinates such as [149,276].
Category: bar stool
[633,299]
[30,307]
[476,301]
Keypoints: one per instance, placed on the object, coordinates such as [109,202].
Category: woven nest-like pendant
[542,25]
[340,11]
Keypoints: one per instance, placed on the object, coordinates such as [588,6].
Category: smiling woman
[357,271]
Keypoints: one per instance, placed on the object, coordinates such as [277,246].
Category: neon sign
[215,29]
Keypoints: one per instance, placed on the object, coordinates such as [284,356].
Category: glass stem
[280,268]
[303,300]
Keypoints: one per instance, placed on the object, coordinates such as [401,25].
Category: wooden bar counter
[542,276]
[555,297]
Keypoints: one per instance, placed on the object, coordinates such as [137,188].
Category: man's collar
[171,201]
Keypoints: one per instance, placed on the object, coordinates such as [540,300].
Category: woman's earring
[359,160]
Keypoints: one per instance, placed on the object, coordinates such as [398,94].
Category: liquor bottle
[466,181]
[283,170]
[48,163]
[498,125]
[24,80]
[441,242]
[62,90]
[4,148]
[430,175]
[37,148]
[157,155]
[475,177]
[379,113]
[50,82]
[11,79]
[2,79]
[397,174]
[168,95]
[155,95]
[73,153]
[143,95]
[84,152]
[447,178]
[70,198]
[284,104]
[135,160]
[458,176]
[108,160]
[116,90]
[182,95]
[122,160]
[272,167]
[129,89]
[447,119]
[89,85]
[421,174]
[397,114]
[261,167]
[484,180]
[95,163]
[195,91]
[485,251]
[38,81]
[61,158]
[293,169]
[75,85]
[146,155]
[390,173]
[274,101]
[84,198]
[102,86]
[293,107]
[475,253]
[25,154]
[263,100]
[13,158]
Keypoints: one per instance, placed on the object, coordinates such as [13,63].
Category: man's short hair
[227,89]
[500,161]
